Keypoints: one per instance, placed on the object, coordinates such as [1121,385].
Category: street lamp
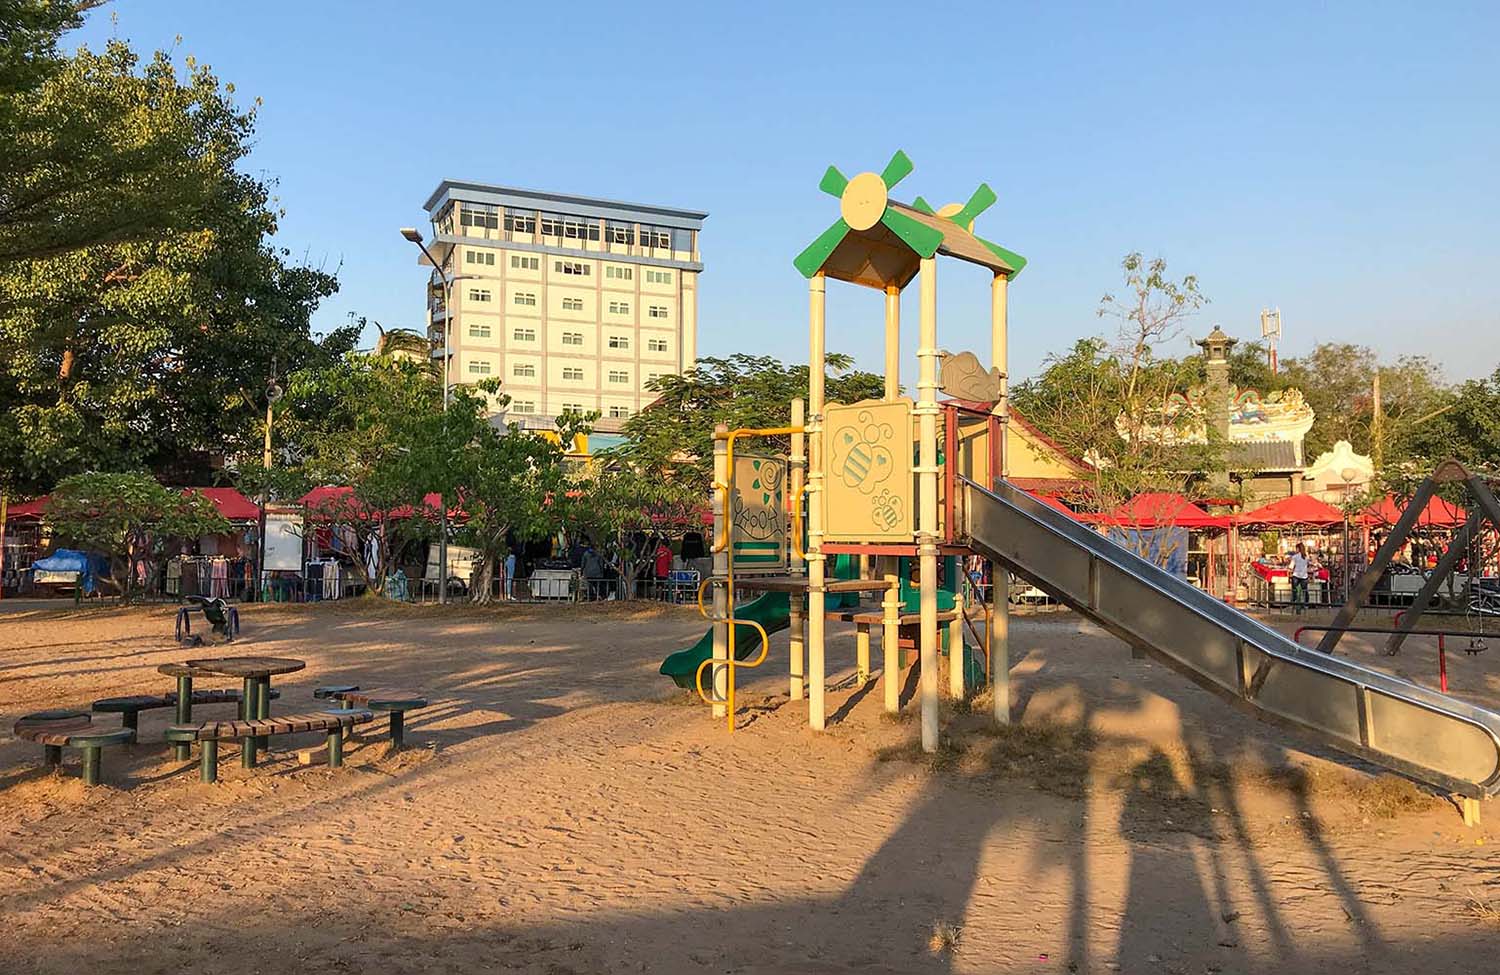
[411,234]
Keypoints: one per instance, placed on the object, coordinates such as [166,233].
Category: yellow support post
[723,632]
[998,631]
[890,637]
[797,482]
[817,294]
[927,497]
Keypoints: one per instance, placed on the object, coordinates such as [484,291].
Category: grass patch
[1482,909]
[1056,758]
[947,756]
[945,938]
[1385,796]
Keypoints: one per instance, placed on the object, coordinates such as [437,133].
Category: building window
[657,311]
[619,341]
[572,304]
[656,237]
[480,257]
[658,277]
[619,376]
[519,262]
[571,228]
[480,215]
[619,273]
[619,412]
[572,338]
[619,307]
[571,267]
[619,233]
[479,367]
[527,298]
[524,335]
[479,294]
[521,223]
[656,345]
[479,330]
[652,377]
[522,406]
[523,370]
[575,407]
[572,373]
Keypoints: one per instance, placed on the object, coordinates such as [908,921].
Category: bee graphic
[859,458]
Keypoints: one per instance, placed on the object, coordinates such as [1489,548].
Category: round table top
[247,666]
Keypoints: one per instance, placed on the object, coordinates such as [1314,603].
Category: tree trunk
[482,591]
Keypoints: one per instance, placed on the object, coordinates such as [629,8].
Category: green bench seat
[56,730]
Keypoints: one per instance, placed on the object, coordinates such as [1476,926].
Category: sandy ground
[561,809]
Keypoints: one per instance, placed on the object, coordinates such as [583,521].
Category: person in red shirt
[663,560]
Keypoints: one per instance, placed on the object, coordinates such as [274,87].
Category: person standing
[510,574]
[1299,579]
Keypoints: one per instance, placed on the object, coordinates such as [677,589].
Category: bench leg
[336,748]
[263,708]
[183,750]
[91,765]
[349,728]
[131,720]
[52,755]
[208,769]
[398,728]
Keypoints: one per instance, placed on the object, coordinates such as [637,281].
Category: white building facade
[573,302]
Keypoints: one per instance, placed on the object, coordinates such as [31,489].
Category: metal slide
[1392,722]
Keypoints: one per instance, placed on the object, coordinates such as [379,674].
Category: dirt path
[560,810]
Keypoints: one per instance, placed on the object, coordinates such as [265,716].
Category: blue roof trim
[584,206]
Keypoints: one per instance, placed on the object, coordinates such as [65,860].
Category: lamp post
[273,393]
[411,234]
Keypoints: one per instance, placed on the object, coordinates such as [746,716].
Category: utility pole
[1270,330]
[1377,424]
[273,393]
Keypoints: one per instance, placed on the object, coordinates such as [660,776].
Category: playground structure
[856,467]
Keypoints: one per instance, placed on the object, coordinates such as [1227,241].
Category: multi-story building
[574,302]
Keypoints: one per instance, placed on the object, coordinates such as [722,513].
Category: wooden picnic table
[255,701]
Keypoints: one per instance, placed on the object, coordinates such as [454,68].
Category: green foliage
[1337,379]
[128,517]
[29,33]
[674,436]
[141,305]
[1463,423]
[1110,410]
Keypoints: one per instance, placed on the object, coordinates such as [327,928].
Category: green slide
[773,611]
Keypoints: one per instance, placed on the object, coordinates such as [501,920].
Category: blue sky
[1336,159]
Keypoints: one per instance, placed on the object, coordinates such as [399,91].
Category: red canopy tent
[27,509]
[1161,509]
[334,501]
[1437,514]
[1298,509]
[233,505]
[1052,502]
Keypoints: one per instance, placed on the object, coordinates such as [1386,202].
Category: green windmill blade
[833,182]
[811,259]
[920,204]
[1016,261]
[917,235]
[982,199]
[896,170]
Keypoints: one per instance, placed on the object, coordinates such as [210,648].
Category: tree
[29,32]
[130,518]
[673,437]
[1337,380]
[514,484]
[1463,424]
[627,508]
[141,305]
[1151,314]
[375,425]
[1130,420]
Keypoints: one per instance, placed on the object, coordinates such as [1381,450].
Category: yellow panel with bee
[867,488]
